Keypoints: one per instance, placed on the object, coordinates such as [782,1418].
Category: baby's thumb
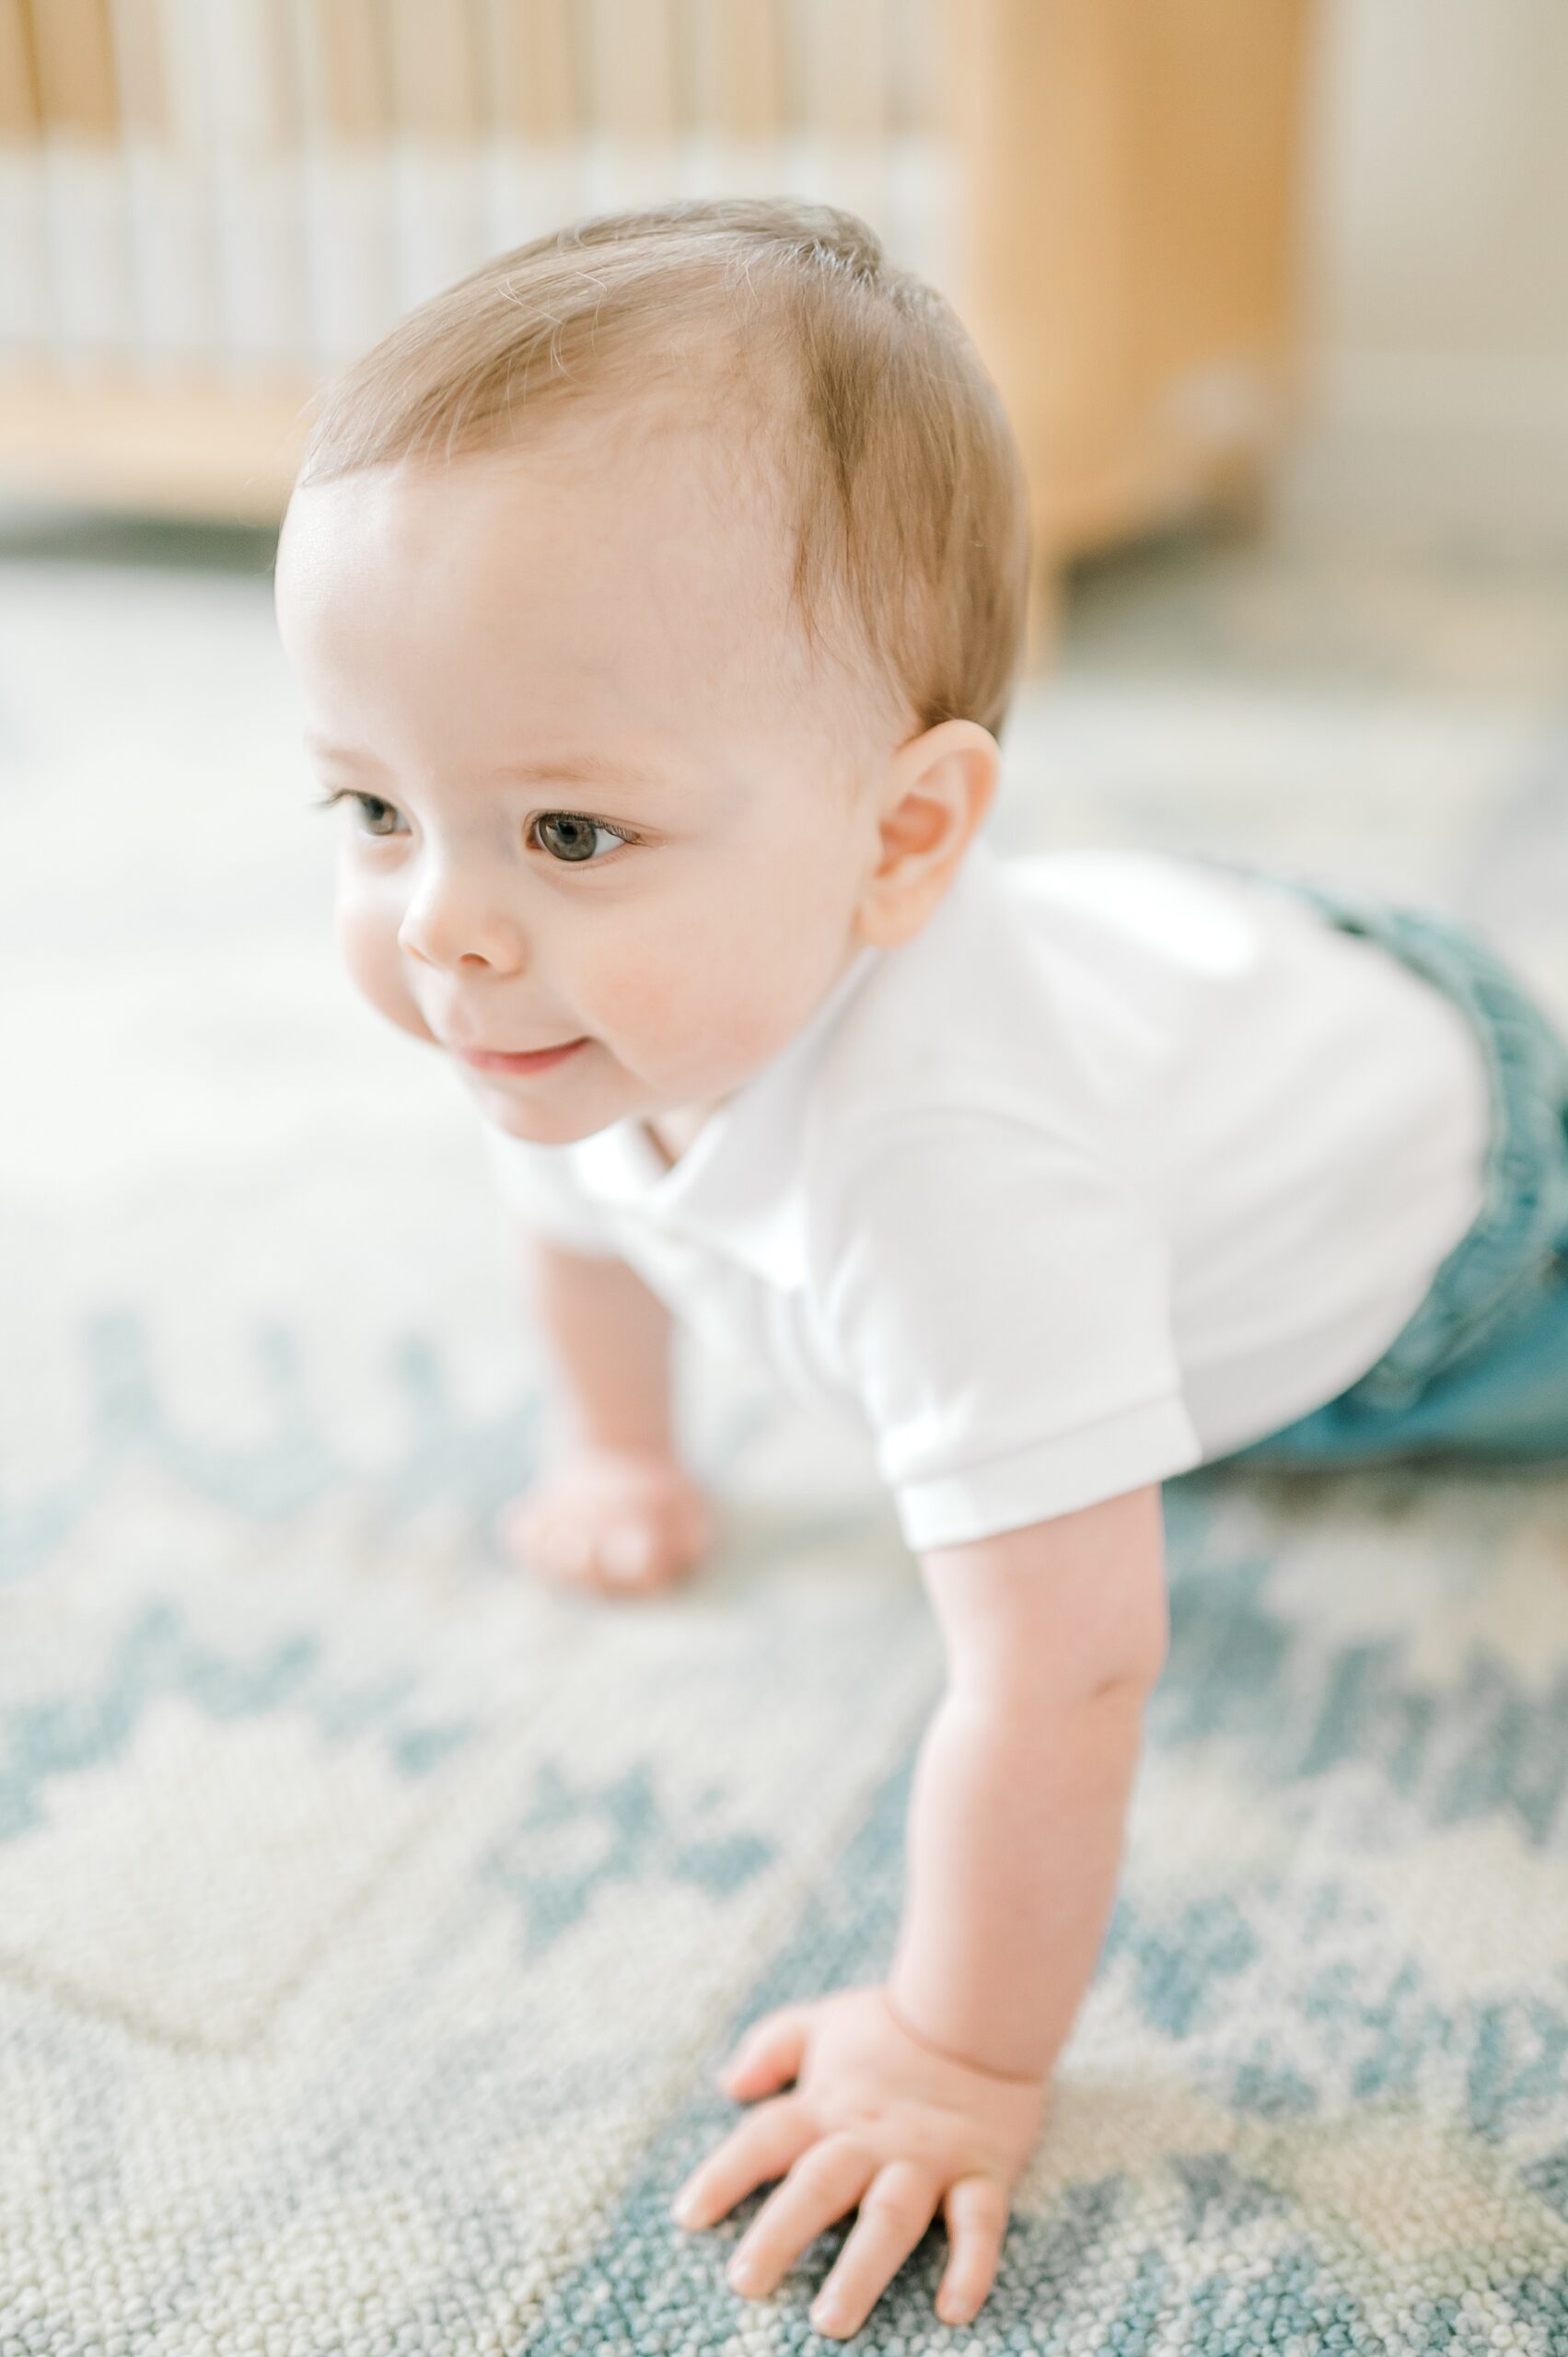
[769,2053]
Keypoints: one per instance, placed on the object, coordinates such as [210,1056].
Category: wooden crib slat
[248,86]
[843,67]
[75,68]
[141,70]
[278,35]
[632,68]
[533,74]
[738,47]
[21,105]
[434,68]
[914,98]
[355,69]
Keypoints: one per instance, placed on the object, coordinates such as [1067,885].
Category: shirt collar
[734,1188]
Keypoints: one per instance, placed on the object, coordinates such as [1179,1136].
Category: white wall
[1437,274]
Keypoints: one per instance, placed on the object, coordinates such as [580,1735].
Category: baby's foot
[624,1521]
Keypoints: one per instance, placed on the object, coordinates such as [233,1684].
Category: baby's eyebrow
[586,769]
[566,769]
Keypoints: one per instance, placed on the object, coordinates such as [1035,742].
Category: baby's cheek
[367,941]
[724,1016]
[640,993]
[690,1007]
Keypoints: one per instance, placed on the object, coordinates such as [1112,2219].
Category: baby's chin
[540,1124]
[526,1109]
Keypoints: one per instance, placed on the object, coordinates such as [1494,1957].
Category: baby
[656,595]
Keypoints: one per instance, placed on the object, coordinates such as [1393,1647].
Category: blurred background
[1274,289]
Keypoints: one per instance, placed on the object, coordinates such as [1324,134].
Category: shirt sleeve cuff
[1147,1443]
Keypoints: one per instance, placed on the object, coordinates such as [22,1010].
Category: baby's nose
[450,922]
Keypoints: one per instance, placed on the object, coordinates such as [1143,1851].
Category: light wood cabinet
[1128,260]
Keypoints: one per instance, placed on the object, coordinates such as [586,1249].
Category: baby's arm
[1055,1635]
[614,1507]
[928,2091]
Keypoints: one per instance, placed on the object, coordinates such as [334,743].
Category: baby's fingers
[895,2211]
[768,2142]
[769,2053]
[561,1541]
[976,2211]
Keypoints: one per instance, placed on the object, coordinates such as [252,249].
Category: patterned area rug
[372,1923]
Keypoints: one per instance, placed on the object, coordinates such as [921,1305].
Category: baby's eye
[568,836]
[371,810]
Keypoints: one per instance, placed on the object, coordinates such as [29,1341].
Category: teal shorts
[1480,1370]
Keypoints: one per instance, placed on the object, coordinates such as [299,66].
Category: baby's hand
[876,2118]
[624,1520]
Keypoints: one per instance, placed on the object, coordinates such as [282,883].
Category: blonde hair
[910,512]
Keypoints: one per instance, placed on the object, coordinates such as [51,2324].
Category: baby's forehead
[685,495]
[641,544]
[626,491]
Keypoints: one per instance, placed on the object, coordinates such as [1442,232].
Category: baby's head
[655,593]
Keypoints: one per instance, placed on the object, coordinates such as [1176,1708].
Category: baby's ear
[938,788]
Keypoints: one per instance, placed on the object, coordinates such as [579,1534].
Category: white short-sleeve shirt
[1120,1163]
